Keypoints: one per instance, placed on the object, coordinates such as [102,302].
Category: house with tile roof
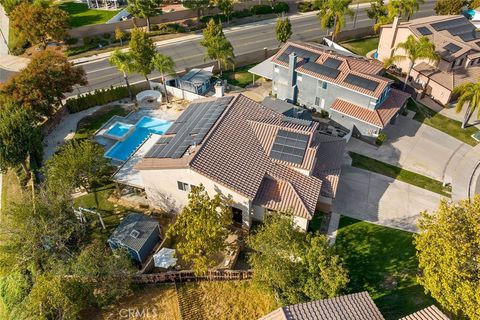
[349,87]
[456,40]
[264,160]
[355,306]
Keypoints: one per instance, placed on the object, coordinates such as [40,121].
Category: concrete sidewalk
[464,174]
[13,63]
[376,198]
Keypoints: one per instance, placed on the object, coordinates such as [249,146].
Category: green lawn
[361,46]
[442,123]
[80,15]
[240,77]
[111,214]
[361,161]
[90,124]
[382,261]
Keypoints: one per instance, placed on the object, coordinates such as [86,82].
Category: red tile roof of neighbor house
[378,117]
[356,306]
[429,313]
[350,64]
[235,154]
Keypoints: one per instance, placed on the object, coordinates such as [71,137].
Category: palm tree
[409,7]
[123,62]
[468,92]
[414,50]
[165,65]
[332,14]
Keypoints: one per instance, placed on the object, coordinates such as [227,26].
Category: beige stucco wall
[439,93]
[385,51]
[162,190]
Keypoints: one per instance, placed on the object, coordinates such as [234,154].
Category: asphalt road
[188,53]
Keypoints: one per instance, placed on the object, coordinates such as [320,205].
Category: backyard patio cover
[263,69]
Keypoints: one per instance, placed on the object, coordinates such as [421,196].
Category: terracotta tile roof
[429,313]
[328,162]
[350,64]
[449,80]
[280,195]
[234,156]
[378,117]
[357,306]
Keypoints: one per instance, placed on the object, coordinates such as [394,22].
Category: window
[276,69]
[324,85]
[317,101]
[299,77]
[182,186]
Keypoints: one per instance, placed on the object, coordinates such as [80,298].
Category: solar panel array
[190,128]
[361,82]
[333,63]
[305,54]
[452,48]
[289,146]
[449,24]
[424,31]
[460,27]
[322,69]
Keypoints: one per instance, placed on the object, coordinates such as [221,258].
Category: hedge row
[279,7]
[98,97]
[307,7]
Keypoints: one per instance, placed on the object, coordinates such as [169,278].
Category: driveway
[369,196]
[415,147]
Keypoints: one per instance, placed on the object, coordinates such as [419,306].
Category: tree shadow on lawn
[382,261]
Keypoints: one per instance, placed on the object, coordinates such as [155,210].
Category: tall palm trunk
[468,114]
[148,80]
[125,76]
[148,24]
[410,67]
[219,66]
[165,87]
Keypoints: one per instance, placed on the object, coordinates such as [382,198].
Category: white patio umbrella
[165,258]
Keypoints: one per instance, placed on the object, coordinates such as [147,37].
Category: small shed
[137,233]
[197,81]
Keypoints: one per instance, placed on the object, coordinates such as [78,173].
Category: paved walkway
[379,199]
[414,146]
[64,131]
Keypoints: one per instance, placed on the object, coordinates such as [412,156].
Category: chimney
[395,24]
[219,89]
[292,77]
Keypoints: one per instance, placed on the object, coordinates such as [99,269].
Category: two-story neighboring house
[263,159]
[456,40]
[351,88]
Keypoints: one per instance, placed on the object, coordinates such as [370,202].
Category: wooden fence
[189,275]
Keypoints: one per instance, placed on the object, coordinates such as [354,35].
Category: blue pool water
[122,150]
[119,129]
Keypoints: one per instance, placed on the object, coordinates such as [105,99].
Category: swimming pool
[119,130]
[122,150]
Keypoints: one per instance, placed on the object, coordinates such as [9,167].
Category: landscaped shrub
[98,97]
[94,40]
[307,6]
[261,9]
[217,18]
[242,14]
[281,7]
[167,28]
[106,35]
[71,41]
[380,139]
